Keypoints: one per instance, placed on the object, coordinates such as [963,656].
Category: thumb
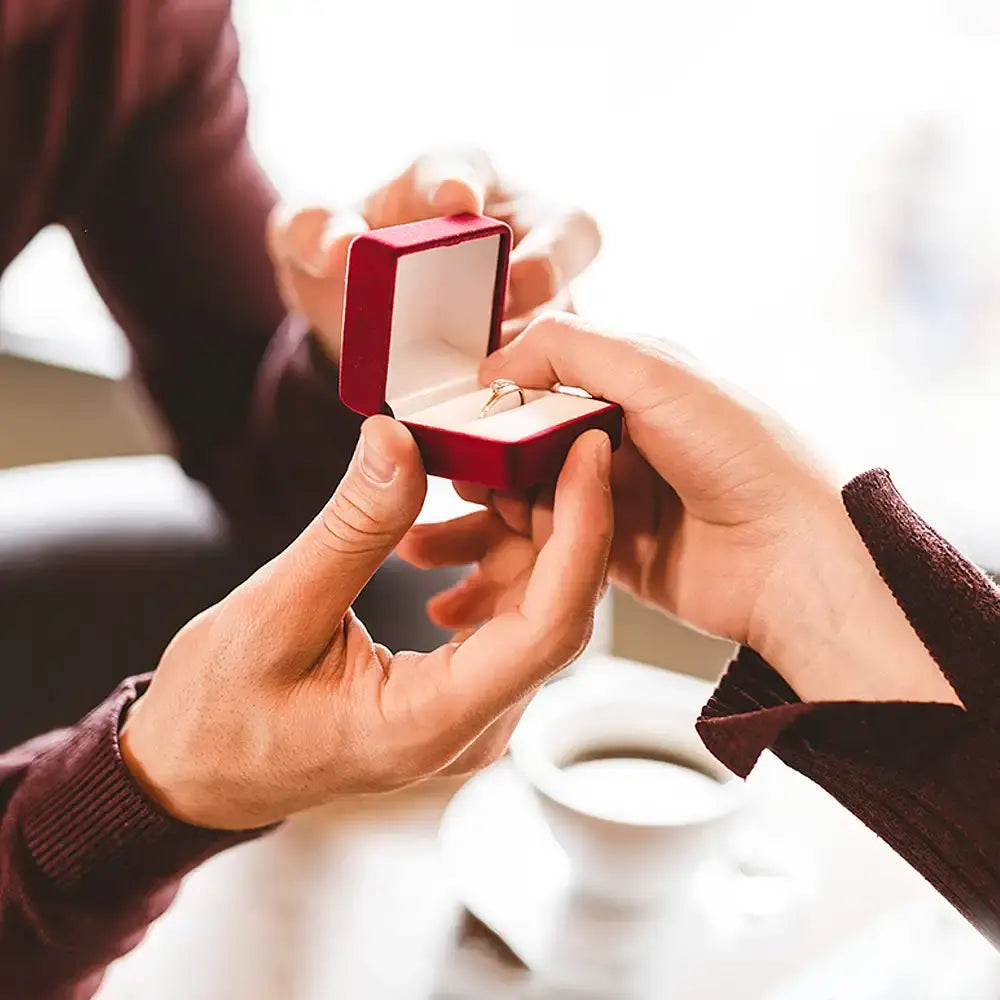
[558,348]
[316,579]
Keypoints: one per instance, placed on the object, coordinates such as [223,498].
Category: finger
[515,511]
[542,517]
[473,493]
[497,584]
[514,652]
[458,542]
[452,182]
[446,182]
[278,240]
[466,605]
[559,348]
[311,239]
[304,592]
[479,598]
[309,250]
[284,220]
[512,328]
[513,508]
[553,252]
[582,525]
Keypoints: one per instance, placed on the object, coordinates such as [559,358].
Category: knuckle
[353,521]
[549,329]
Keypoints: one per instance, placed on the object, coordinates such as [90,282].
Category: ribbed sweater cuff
[85,821]
[752,710]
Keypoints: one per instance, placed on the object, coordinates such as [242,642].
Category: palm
[700,566]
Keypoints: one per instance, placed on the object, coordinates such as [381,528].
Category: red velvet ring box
[424,305]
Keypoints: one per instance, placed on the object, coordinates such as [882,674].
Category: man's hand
[552,245]
[722,519]
[277,698]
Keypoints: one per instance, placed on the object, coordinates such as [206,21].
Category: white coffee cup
[652,805]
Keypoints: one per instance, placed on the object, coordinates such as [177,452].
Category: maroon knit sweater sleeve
[86,861]
[131,131]
[924,777]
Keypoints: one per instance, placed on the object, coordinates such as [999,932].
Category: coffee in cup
[624,783]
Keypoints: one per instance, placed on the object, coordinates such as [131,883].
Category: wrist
[829,624]
[147,760]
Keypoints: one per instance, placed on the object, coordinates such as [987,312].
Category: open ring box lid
[423,307]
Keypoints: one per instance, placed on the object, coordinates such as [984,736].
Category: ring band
[501,388]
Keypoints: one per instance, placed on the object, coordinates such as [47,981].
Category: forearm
[921,775]
[86,861]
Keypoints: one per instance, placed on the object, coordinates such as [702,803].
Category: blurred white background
[804,194]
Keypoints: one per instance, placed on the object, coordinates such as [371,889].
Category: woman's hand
[552,244]
[503,541]
[277,698]
[721,519]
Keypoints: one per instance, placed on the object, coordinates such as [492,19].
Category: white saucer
[513,876]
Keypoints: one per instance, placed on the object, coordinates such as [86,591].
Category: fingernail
[375,465]
[603,459]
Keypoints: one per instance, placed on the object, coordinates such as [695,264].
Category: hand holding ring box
[423,307]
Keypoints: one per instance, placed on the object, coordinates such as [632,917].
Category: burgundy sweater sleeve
[86,861]
[924,777]
[168,208]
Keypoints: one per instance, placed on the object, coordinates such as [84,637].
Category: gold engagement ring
[500,389]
